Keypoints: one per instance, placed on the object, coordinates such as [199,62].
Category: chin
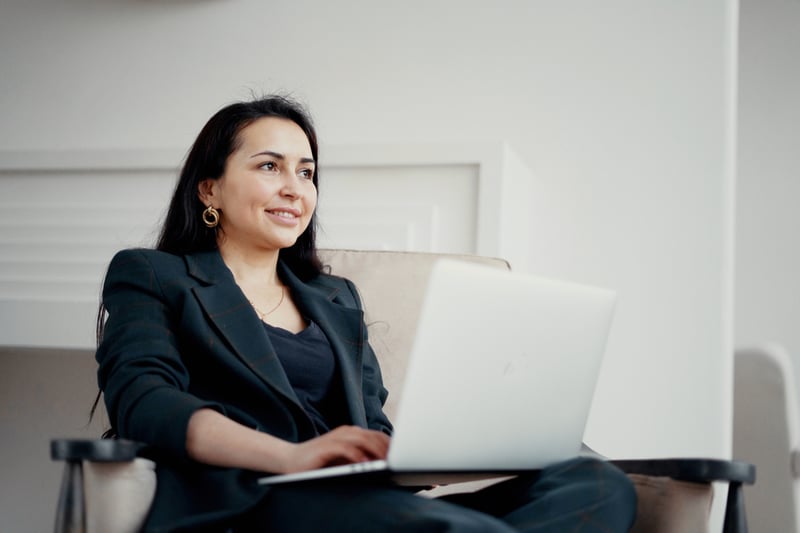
[284,243]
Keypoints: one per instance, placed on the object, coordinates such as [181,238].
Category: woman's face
[266,195]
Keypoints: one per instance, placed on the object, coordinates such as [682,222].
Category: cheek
[311,199]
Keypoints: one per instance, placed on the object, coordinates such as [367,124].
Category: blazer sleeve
[374,392]
[140,370]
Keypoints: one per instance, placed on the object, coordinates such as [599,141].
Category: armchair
[674,494]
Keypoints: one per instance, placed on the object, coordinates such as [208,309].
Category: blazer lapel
[343,326]
[229,311]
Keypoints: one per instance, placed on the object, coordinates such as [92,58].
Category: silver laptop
[500,378]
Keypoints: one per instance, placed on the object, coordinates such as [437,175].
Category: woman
[231,353]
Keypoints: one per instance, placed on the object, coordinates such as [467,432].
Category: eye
[307,173]
[269,165]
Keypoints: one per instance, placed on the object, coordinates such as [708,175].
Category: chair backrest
[391,286]
[766,433]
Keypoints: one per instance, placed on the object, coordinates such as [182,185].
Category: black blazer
[180,336]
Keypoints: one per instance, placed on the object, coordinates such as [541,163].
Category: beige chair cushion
[118,495]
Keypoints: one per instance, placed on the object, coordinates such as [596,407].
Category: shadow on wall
[44,393]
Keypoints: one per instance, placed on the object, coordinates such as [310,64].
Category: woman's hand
[214,439]
[343,445]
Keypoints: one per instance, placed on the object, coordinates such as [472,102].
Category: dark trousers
[581,495]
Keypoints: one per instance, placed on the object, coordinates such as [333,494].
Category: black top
[310,365]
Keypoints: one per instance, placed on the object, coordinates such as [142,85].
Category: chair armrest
[98,450]
[704,471]
[692,470]
[72,515]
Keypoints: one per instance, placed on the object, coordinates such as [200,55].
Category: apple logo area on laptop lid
[500,379]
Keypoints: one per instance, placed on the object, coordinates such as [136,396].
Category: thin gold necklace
[261,313]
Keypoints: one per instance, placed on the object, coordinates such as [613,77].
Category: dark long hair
[184,231]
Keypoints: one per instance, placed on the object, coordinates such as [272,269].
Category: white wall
[767,213]
[622,109]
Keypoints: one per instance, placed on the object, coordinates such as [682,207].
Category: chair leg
[735,517]
[70,514]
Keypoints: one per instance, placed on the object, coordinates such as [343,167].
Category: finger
[355,444]
[377,444]
[363,446]
[373,444]
[344,454]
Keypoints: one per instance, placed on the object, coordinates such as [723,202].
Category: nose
[290,188]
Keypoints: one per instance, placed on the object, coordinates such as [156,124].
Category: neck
[251,267]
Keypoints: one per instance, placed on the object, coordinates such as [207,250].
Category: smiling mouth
[283,214]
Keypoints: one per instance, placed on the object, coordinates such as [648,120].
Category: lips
[286,213]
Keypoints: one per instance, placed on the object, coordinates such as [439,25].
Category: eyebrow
[278,155]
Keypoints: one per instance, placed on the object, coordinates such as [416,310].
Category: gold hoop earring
[211,217]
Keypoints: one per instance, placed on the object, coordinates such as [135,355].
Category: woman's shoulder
[147,255]
[147,269]
[143,261]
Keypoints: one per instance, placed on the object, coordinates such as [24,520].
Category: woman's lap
[361,507]
[577,495]
[580,495]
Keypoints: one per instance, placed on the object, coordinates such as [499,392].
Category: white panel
[437,204]
[390,227]
[59,229]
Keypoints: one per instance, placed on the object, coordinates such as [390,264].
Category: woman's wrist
[278,455]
